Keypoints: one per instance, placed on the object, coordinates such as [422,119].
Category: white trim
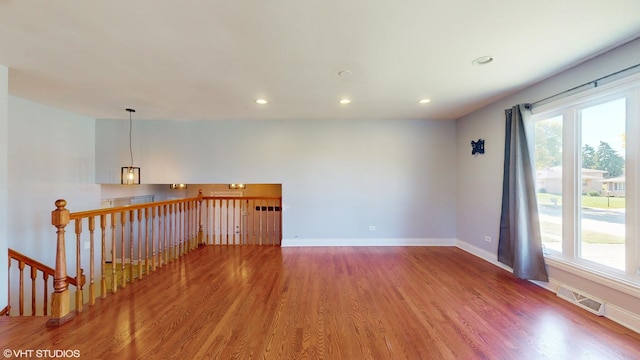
[483,254]
[299,242]
[552,285]
[623,317]
[581,96]
[612,312]
[609,281]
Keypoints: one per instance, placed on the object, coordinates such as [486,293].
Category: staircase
[39,275]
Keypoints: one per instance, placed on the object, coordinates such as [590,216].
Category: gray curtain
[519,245]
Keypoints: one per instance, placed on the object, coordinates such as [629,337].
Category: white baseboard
[298,242]
[481,253]
[612,312]
[622,317]
[552,285]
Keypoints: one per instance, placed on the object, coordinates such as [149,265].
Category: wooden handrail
[119,209]
[36,266]
[42,267]
[244,197]
[5,311]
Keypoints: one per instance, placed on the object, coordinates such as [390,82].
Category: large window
[586,163]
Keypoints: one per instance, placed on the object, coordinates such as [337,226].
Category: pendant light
[130,175]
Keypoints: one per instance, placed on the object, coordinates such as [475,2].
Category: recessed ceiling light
[483,60]
[345,74]
[424,101]
[261,101]
[345,101]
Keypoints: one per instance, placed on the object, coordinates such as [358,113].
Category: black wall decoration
[477,147]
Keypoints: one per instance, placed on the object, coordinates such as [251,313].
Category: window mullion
[570,182]
[632,233]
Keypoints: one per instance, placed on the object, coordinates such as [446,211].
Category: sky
[605,122]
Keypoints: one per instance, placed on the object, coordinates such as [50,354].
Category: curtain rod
[593,83]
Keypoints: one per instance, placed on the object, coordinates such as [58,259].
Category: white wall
[338,177]
[159,192]
[4,165]
[51,156]
[479,179]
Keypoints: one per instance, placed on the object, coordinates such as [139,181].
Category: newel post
[60,302]
[200,232]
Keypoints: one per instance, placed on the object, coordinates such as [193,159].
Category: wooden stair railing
[136,240]
[247,220]
[35,268]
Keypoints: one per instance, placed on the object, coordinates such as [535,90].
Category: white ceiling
[172,59]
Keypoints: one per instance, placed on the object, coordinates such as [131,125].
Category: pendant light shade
[130,175]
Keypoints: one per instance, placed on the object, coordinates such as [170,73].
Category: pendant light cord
[130,132]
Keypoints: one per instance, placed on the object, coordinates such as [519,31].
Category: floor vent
[584,301]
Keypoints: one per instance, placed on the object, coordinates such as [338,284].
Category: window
[586,164]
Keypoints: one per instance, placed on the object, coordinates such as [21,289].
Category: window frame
[569,108]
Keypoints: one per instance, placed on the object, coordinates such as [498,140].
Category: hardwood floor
[248,302]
